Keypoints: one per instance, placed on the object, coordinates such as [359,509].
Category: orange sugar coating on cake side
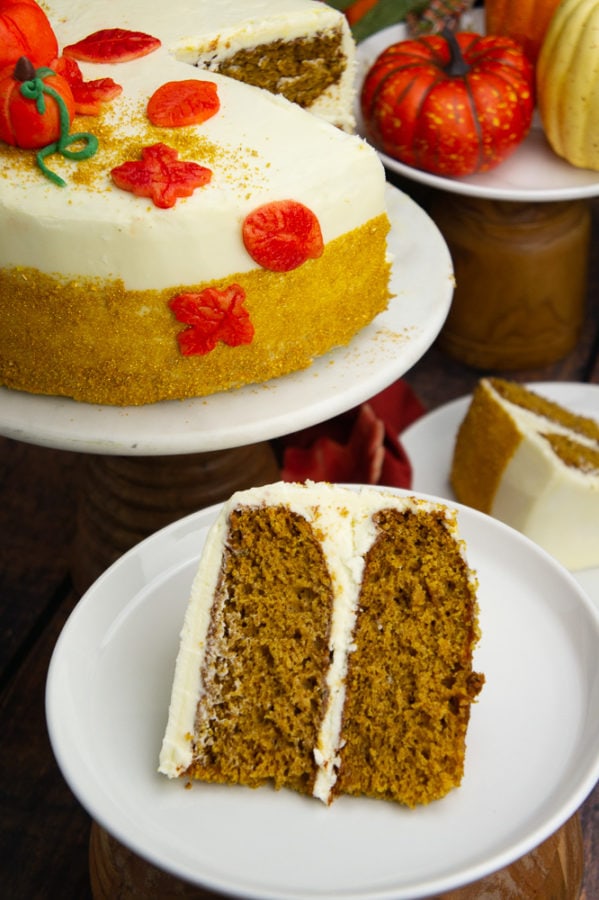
[473,484]
[521,396]
[410,682]
[267,654]
[124,351]
[300,69]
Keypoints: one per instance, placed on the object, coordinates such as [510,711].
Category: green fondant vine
[35,89]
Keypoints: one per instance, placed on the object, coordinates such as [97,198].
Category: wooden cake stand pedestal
[521,276]
[552,871]
[125,499]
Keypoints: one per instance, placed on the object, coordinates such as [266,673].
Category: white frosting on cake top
[204,32]
[346,538]
[259,147]
[554,504]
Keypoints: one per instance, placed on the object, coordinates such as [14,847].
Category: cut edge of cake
[315,68]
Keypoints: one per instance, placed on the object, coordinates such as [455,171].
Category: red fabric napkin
[360,446]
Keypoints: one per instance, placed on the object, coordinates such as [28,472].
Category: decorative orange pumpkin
[450,104]
[36,106]
[525,21]
[25,31]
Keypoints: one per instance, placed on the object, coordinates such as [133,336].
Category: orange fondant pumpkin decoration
[525,21]
[25,31]
[36,106]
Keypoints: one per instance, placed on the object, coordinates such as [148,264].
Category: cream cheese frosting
[266,149]
[344,519]
[553,503]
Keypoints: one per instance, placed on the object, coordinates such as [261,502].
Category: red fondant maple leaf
[212,316]
[160,175]
[112,45]
[88,95]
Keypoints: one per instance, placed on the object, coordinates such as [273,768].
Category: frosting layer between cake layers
[533,465]
[87,270]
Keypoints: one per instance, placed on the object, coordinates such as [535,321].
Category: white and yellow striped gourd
[568,82]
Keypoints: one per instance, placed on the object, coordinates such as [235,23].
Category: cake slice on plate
[533,464]
[327,647]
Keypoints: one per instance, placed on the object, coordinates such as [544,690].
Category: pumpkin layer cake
[327,647]
[108,296]
[534,465]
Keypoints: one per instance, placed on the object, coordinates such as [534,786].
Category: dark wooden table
[44,832]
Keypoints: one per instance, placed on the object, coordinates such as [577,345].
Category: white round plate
[429,443]
[532,756]
[532,173]
[422,282]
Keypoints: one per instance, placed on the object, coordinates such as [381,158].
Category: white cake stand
[422,284]
[149,465]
